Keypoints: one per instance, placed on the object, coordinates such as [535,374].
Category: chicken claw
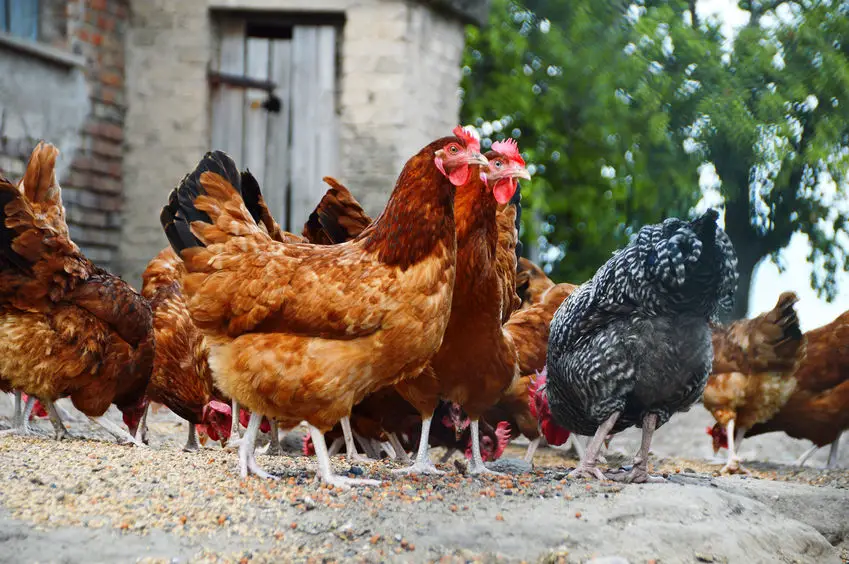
[59,430]
[423,464]
[420,467]
[733,466]
[20,425]
[247,454]
[637,474]
[325,473]
[586,470]
[477,467]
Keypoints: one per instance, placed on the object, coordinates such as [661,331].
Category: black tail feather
[178,215]
[252,195]
[9,193]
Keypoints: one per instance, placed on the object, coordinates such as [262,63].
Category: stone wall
[68,89]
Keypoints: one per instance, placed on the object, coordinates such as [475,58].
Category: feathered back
[770,341]
[337,218]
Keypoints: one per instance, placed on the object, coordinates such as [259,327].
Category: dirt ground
[91,500]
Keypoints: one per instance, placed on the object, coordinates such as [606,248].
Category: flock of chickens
[419,328]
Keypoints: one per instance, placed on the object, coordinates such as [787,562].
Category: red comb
[510,149]
[469,139]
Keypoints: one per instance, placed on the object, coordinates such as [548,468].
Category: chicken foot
[477,466]
[274,447]
[532,448]
[587,467]
[733,465]
[350,446]
[16,416]
[325,472]
[20,424]
[59,430]
[423,463]
[639,473]
[192,442]
[235,437]
[335,446]
[247,454]
[832,454]
[400,453]
[113,429]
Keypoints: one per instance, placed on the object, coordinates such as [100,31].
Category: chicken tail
[209,206]
[337,218]
[32,222]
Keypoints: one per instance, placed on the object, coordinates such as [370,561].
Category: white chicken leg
[235,437]
[532,448]
[733,465]
[192,441]
[113,429]
[477,466]
[60,432]
[400,453]
[247,454]
[325,472]
[21,425]
[423,464]
[833,454]
[350,446]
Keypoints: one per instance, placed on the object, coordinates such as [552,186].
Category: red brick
[105,23]
[82,34]
[112,79]
[97,4]
[96,39]
[107,148]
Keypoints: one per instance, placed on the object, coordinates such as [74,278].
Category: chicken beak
[523,174]
[478,159]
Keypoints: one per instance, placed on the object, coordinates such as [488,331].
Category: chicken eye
[497,164]
[453,149]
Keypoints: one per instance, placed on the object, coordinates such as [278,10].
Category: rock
[510,466]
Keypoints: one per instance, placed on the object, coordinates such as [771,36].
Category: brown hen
[304,332]
[753,372]
[67,327]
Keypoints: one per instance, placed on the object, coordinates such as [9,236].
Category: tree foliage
[617,106]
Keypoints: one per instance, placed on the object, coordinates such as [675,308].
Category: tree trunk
[747,259]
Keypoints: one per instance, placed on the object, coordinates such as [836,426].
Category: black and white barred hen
[632,346]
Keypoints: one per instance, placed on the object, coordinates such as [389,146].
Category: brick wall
[93,189]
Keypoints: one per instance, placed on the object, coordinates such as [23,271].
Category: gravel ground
[91,500]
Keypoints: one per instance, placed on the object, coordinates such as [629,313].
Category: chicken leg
[400,453]
[832,454]
[532,448]
[274,446]
[423,464]
[141,432]
[60,432]
[113,429]
[733,465]
[21,424]
[247,454]
[477,466]
[16,415]
[639,473]
[335,446]
[350,446]
[325,472]
[587,467]
[235,438]
[192,442]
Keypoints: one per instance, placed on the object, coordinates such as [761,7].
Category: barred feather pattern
[635,338]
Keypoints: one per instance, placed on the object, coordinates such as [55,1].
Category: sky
[768,282]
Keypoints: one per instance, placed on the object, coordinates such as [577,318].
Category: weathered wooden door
[289,150]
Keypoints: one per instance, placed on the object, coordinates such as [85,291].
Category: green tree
[777,130]
[602,99]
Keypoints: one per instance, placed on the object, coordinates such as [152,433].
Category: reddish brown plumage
[753,367]
[531,282]
[818,409]
[181,377]
[300,331]
[67,327]
[529,330]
